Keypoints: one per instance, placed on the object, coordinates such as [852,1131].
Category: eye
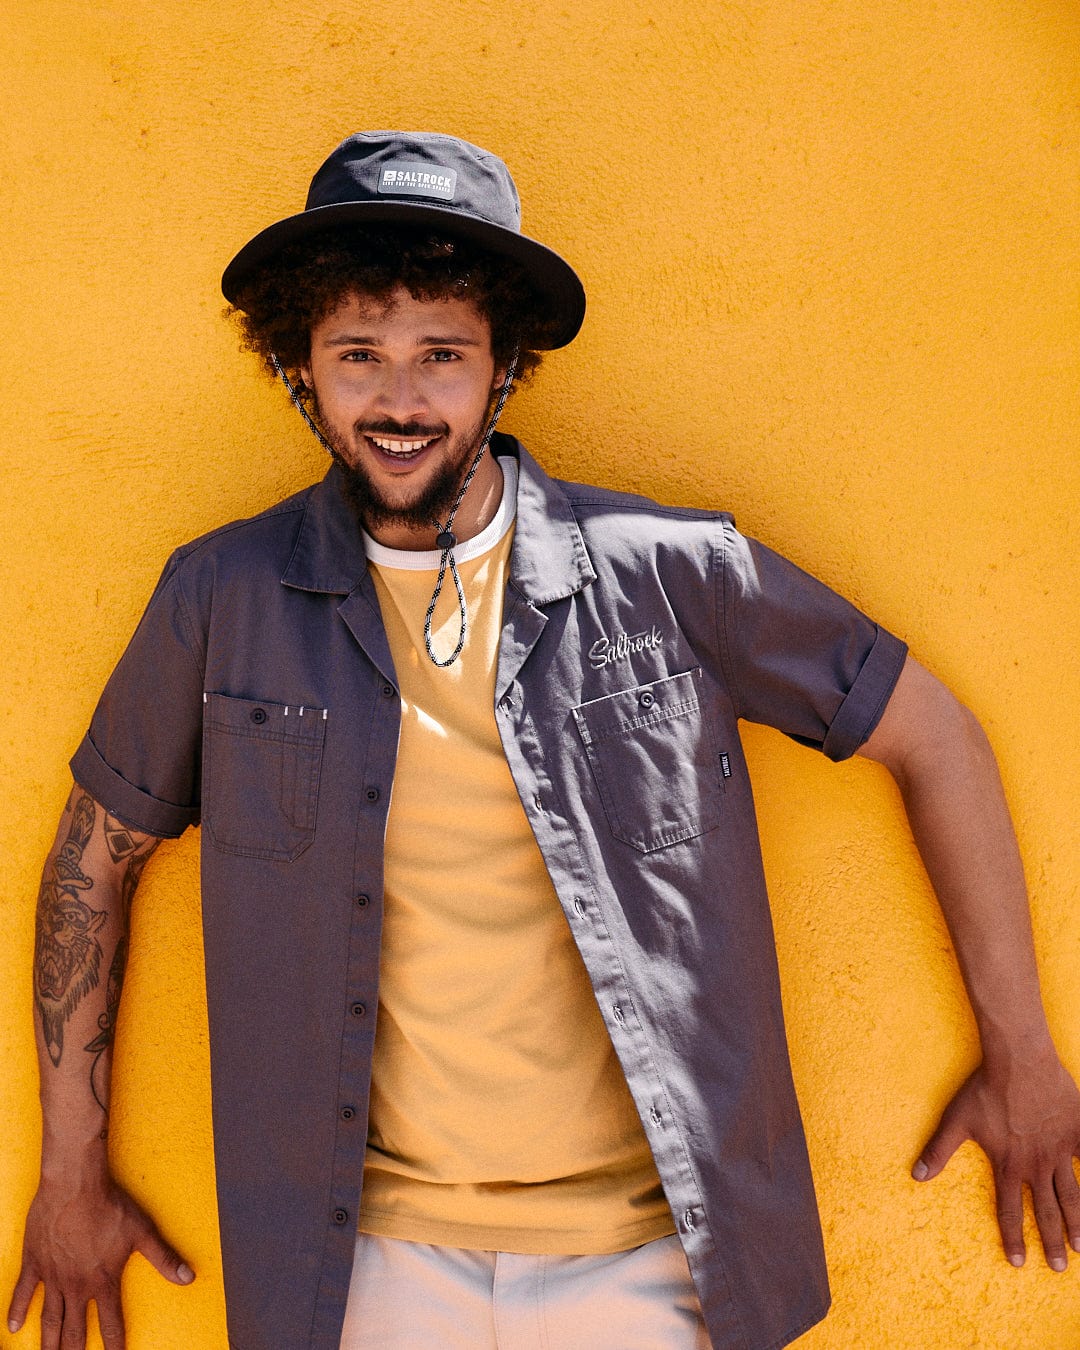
[443,355]
[357,356]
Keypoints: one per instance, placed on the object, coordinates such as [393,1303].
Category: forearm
[82,1227]
[961,825]
[952,792]
[1020,1105]
[80,955]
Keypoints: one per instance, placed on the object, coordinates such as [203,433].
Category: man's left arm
[1020,1105]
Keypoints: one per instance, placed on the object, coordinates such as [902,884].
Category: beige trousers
[412,1296]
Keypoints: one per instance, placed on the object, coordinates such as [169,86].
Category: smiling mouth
[399,448]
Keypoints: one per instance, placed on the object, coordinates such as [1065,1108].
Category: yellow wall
[831,256]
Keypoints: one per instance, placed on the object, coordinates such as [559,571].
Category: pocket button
[258,716]
[647,699]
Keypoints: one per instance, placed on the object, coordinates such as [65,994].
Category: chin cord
[445,539]
[298,403]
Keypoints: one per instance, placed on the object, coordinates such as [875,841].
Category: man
[463,742]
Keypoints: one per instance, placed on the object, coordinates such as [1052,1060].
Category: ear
[305,375]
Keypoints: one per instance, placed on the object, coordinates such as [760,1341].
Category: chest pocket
[261,767]
[655,764]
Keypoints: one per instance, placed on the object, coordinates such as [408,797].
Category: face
[403,391]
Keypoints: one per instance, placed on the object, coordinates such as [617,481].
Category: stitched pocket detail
[653,757]
[261,766]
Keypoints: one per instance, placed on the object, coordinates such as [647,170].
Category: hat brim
[554,279]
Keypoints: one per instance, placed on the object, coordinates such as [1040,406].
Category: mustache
[407,431]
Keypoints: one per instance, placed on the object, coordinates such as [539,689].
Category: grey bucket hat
[421,178]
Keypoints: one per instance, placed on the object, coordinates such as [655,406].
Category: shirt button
[656,1117]
[341,1216]
[372,794]
[358,1009]
[363,900]
[537,802]
[579,905]
[388,691]
[647,699]
[258,716]
[348,1112]
[688,1220]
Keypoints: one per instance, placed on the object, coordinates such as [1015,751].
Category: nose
[400,393]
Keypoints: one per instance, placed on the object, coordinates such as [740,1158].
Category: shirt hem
[524,1241]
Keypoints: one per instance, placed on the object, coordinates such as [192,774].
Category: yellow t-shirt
[500,1118]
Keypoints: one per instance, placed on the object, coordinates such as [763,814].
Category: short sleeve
[800,657]
[141,755]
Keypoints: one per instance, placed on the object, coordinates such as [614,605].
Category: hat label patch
[407,178]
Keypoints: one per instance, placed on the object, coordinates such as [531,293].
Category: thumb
[165,1259]
[940,1147]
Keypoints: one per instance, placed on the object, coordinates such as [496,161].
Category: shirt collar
[549,559]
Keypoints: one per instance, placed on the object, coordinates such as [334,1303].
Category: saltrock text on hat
[418,180]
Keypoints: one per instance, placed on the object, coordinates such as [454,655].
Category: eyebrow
[435,340]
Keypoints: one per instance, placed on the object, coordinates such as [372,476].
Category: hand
[1027,1121]
[77,1242]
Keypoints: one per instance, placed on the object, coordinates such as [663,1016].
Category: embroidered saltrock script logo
[605,650]
[406,178]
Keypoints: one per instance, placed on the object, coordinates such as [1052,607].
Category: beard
[372,508]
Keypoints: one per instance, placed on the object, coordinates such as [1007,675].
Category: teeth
[400,447]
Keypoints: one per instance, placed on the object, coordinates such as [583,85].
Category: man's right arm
[82,1226]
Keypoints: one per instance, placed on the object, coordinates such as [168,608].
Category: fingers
[1048,1217]
[1009,1196]
[1068,1194]
[20,1299]
[940,1147]
[165,1259]
[52,1320]
[1055,1199]
[111,1320]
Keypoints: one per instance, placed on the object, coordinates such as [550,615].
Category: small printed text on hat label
[407,178]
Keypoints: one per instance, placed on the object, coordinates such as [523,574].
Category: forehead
[402,314]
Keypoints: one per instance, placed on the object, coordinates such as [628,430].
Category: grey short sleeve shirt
[258,697]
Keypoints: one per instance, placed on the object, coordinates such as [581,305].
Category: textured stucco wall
[833,274]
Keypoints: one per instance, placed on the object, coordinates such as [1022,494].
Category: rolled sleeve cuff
[861,710]
[128,803]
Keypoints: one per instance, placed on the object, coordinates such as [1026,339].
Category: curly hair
[278,308]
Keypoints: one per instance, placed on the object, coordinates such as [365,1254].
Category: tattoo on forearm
[115,984]
[107,1024]
[68,955]
[122,842]
[67,952]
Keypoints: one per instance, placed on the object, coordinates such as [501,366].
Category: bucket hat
[422,178]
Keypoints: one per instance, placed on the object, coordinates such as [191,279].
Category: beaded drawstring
[446,539]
